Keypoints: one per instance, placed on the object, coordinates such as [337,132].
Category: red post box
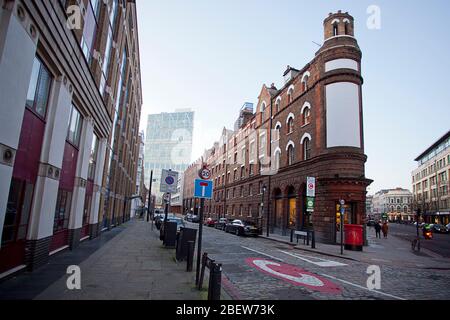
[354,237]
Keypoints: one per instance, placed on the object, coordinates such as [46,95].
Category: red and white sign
[294,275]
[205,174]
[311,187]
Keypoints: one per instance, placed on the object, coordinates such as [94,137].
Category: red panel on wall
[69,168]
[89,188]
[26,165]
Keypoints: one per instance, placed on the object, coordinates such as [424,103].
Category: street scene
[197,151]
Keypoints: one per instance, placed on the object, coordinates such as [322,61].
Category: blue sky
[212,56]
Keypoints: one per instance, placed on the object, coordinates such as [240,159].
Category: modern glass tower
[168,145]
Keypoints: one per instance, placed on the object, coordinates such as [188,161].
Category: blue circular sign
[170,180]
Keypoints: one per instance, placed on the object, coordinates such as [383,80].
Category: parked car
[160,219]
[448,226]
[242,228]
[371,223]
[188,217]
[180,223]
[195,219]
[439,228]
[222,223]
[210,222]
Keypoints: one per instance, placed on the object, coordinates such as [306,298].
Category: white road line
[323,263]
[264,254]
[361,287]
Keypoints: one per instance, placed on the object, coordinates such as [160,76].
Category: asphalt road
[440,243]
[261,269]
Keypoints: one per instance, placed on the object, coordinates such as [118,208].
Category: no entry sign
[294,275]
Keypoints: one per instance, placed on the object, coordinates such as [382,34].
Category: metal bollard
[190,256]
[215,282]
[292,235]
[313,240]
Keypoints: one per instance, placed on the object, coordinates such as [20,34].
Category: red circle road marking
[293,275]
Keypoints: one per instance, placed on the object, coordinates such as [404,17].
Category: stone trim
[7,155]
[80,182]
[48,171]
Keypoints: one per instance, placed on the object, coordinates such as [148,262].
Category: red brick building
[311,127]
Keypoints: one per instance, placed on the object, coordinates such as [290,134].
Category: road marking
[380,260]
[264,254]
[361,287]
[294,275]
[322,263]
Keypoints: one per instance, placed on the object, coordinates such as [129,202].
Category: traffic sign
[205,174]
[203,189]
[166,197]
[310,204]
[311,187]
[169,181]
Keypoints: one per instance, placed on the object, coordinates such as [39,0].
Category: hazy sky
[212,56]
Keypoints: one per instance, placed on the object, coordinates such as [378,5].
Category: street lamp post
[264,188]
[150,196]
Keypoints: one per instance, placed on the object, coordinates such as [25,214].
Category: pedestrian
[385,230]
[377,227]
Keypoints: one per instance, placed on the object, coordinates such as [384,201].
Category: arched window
[306,149]
[277,105]
[346,28]
[291,94]
[290,126]
[306,116]
[277,160]
[405,209]
[335,29]
[277,132]
[305,79]
[290,154]
[263,111]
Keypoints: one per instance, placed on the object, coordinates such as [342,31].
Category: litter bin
[186,235]
[354,237]
[170,234]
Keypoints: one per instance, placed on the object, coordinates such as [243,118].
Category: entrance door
[292,213]
[12,253]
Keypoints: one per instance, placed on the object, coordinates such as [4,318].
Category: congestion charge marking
[293,275]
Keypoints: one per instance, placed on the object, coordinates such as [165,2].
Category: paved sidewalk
[133,265]
[391,251]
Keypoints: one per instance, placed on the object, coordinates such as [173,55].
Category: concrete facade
[61,92]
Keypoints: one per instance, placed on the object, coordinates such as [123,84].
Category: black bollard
[215,282]
[190,256]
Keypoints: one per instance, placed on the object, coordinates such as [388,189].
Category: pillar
[40,229]
[79,192]
[95,208]
[18,42]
